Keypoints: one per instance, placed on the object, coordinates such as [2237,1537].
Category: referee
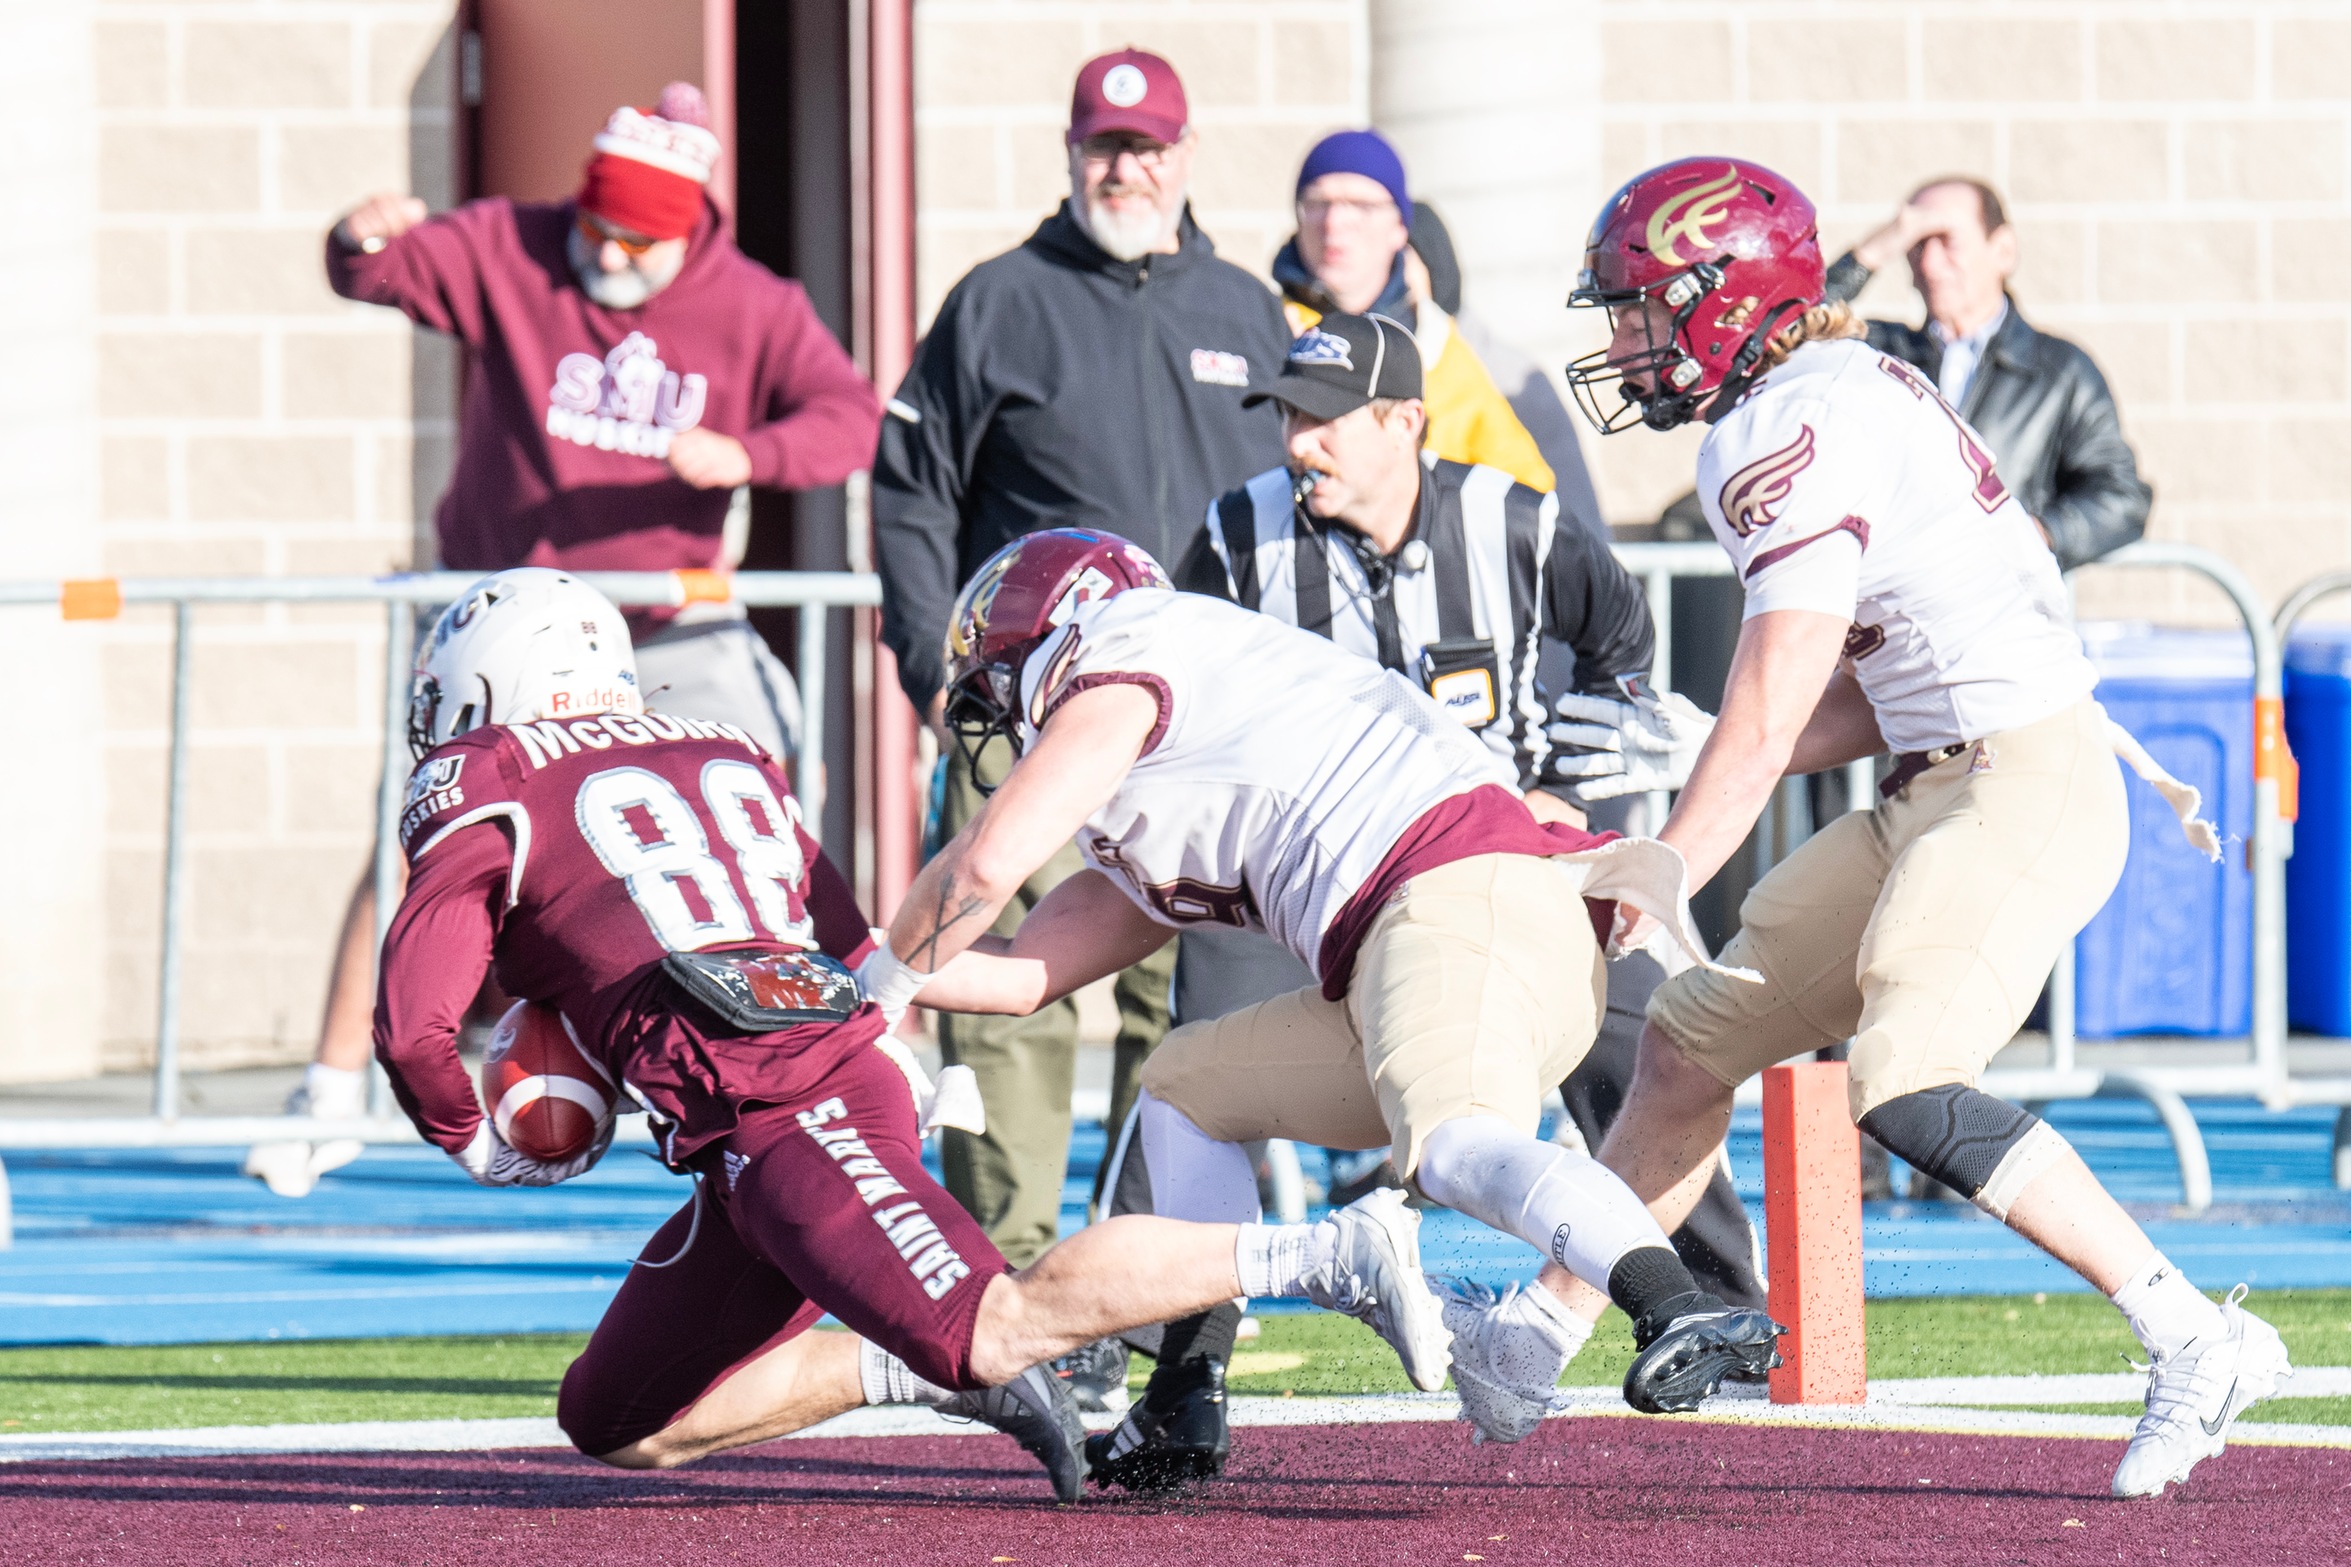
[1455,575]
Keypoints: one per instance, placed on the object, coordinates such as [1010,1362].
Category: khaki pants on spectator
[1010,1178]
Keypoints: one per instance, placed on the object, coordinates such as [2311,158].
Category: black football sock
[1207,1335]
[1653,1286]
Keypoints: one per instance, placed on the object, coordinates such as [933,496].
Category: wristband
[888,983]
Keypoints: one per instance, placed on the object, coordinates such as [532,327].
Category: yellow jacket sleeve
[1471,421]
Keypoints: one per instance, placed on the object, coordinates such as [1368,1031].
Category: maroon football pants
[813,1207]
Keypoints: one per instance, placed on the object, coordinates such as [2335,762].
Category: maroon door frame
[881,222]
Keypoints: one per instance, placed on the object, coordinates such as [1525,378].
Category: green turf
[82,1388]
[107,1388]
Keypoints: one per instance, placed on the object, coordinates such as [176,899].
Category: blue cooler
[2172,951]
[2318,877]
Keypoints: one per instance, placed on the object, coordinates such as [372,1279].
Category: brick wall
[250,422]
[2177,177]
[2177,172]
[1265,78]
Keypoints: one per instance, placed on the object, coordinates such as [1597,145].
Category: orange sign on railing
[703,587]
[91,598]
[2273,758]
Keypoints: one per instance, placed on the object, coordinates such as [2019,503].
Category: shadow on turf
[555,1482]
[504,1480]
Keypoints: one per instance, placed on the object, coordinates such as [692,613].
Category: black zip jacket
[2041,405]
[1060,387]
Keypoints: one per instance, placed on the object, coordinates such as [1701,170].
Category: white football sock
[2164,1309]
[1274,1259]
[1193,1176]
[1569,1206]
[335,1094]
[889,1380]
[1538,1336]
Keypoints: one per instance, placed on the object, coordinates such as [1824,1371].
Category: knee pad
[1985,1149]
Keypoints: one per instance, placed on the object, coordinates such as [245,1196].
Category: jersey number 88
[649,837]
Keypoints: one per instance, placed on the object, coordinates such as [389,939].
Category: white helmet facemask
[520,646]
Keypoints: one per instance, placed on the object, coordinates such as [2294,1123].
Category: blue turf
[174,1246]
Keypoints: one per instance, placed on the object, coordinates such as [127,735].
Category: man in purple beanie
[1349,256]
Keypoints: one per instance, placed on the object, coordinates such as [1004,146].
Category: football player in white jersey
[1217,766]
[1898,598]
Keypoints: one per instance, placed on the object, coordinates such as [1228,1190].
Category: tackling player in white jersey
[1218,766]
[1897,598]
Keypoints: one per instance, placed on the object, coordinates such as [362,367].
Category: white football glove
[493,1161]
[887,982]
[954,1100]
[1642,741]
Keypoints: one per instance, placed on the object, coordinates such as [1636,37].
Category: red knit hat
[651,164]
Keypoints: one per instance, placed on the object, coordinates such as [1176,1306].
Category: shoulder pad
[455,781]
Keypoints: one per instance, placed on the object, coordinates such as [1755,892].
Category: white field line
[1912,1405]
[2120,1387]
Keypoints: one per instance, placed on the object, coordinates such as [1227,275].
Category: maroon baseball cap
[1132,90]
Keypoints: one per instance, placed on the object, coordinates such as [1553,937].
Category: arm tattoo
[952,909]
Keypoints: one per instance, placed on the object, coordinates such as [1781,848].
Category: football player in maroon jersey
[647,875]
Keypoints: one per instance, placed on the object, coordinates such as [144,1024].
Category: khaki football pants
[1476,990]
[1922,929]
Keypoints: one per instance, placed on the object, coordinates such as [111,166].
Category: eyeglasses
[595,233]
[1321,209]
[1106,147]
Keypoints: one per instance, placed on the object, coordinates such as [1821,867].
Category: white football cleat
[2195,1393]
[292,1169]
[1374,1276]
[283,1167]
[1509,1351]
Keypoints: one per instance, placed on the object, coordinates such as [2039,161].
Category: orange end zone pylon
[1812,1211]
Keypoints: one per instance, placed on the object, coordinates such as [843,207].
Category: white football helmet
[521,645]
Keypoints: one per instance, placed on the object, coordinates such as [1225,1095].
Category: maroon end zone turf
[1616,1493]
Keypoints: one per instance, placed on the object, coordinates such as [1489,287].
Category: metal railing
[401,596]
[1657,565]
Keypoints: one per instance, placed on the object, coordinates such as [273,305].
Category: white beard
[1128,236]
[627,289]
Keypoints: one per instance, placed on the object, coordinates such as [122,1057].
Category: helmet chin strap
[1742,373]
[1664,409]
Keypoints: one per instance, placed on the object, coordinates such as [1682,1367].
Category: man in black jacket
[1091,378]
[2038,401]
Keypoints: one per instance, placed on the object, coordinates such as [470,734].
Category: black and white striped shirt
[1500,575]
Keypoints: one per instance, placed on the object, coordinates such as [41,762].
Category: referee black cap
[1343,362]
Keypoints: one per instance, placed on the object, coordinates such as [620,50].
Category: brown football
[548,1097]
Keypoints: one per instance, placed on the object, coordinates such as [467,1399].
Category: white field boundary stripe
[1751,1409]
[2120,1387]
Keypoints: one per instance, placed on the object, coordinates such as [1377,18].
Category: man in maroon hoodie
[627,369]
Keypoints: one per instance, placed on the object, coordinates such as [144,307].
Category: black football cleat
[1096,1376]
[1696,1350]
[1174,1435]
[1035,1410]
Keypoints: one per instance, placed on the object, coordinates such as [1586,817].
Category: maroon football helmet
[1732,249]
[1019,597]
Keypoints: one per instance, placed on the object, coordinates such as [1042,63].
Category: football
[548,1097]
